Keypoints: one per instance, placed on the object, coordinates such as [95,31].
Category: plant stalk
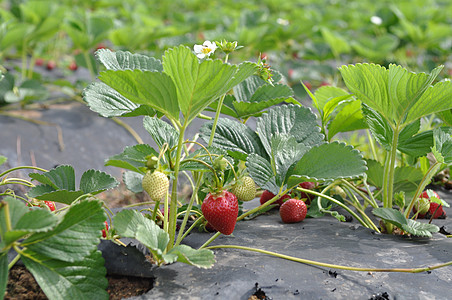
[173,205]
[333,266]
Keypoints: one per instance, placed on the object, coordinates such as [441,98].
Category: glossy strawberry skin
[221,211]
[267,195]
[293,211]
[50,205]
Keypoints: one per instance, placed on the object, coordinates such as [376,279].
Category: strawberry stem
[333,266]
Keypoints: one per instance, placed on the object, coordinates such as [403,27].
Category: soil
[23,286]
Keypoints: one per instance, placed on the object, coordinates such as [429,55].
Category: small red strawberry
[156,184]
[104,231]
[39,61]
[221,211]
[50,205]
[293,211]
[308,85]
[73,66]
[51,64]
[245,189]
[267,195]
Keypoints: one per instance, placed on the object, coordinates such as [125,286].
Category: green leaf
[23,221]
[3,159]
[236,138]
[337,43]
[327,162]
[201,258]
[107,102]
[161,132]
[375,47]
[328,97]
[262,173]
[244,91]
[154,89]
[380,128]
[399,96]
[124,60]
[131,223]
[396,218]
[268,92]
[82,279]
[349,118]
[76,235]
[61,177]
[445,116]
[94,182]
[442,146]
[133,181]
[45,192]
[407,179]
[285,151]
[296,121]
[255,109]
[199,84]
[3,272]
[132,158]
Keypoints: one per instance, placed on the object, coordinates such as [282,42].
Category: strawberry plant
[58,247]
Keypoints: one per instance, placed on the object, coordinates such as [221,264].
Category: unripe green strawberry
[422,205]
[156,184]
[245,189]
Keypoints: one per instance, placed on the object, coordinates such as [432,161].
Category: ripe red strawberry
[293,211]
[104,231]
[156,184]
[50,205]
[51,65]
[267,195]
[221,211]
[436,211]
[245,189]
[39,61]
[73,66]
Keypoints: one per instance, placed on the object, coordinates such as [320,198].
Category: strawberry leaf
[74,237]
[3,271]
[236,138]
[396,218]
[132,158]
[161,132]
[327,162]
[23,221]
[131,223]
[296,121]
[94,182]
[3,159]
[262,173]
[133,181]
[45,192]
[124,60]
[348,118]
[201,258]
[108,102]
[61,177]
[154,89]
[199,84]
[81,279]
[442,146]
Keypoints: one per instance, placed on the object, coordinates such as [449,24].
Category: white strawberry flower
[205,50]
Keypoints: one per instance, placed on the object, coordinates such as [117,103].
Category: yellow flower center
[206,50]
